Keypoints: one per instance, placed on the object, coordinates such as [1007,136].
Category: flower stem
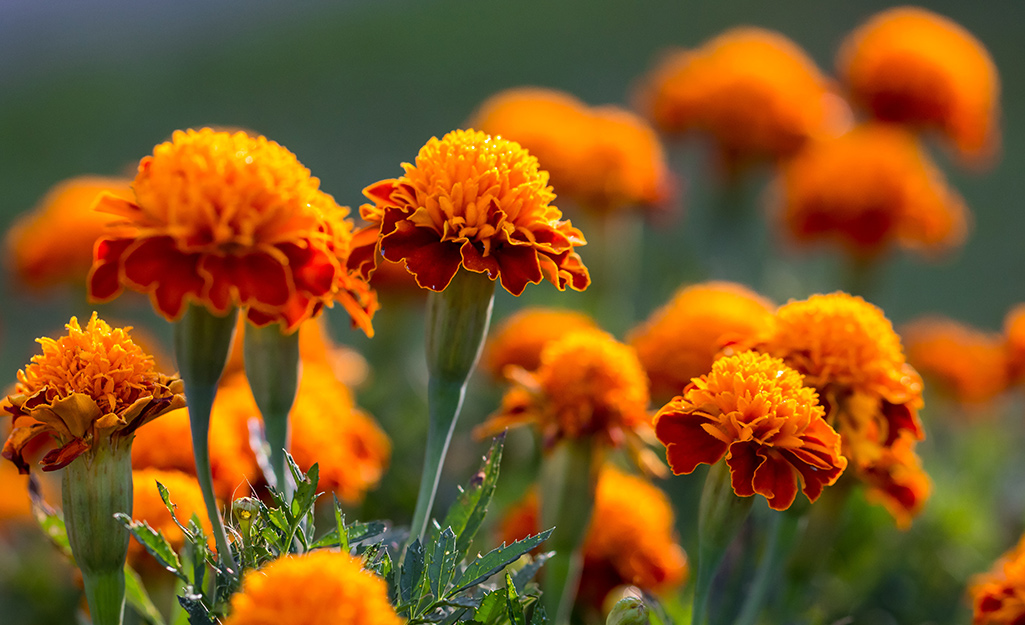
[97,485]
[721,514]
[780,535]
[568,485]
[272,367]
[201,344]
[457,323]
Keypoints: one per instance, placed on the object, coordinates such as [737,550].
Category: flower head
[632,542]
[870,189]
[53,244]
[967,364]
[588,385]
[1014,336]
[519,339]
[911,66]
[756,411]
[88,387]
[147,505]
[998,596]
[681,340]
[604,158]
[334,590]
[754,91]
[225,220]
[471,201]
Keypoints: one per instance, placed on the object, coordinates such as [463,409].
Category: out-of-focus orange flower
[604,158]
[631,540]
[148,506]
[1014,336]
[897,481]
[681,340]
[998,596]
[755,92]
[756,411]
[15,504]
[869,189]
[226,220]
[53,244]
[334,588]
[967,364]
[519,339]
[588,385]
[847,349]
[90,387]
[911,66]
[471,201]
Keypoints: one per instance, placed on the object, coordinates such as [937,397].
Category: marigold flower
[756,411]
[912,66]
[89,386]
[228,220]
[519,339]
[588,384]
[471,201]
[15,504]
[148,506]
[998,596]
[680,340]
[1014,335]
[604,158]
[333,587]
[632,541]
[754,91]
[967,364]
[53,244]
[869,189]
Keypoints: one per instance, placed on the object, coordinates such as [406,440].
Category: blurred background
[354,88]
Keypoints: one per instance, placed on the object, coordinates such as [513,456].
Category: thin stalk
[780,533]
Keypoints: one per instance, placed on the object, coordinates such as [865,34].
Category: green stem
[97,485]
[272,367]
[201,345]
[861,276]
[568,485]
[457,323]
[780,533]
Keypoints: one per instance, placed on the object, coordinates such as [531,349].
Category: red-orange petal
[687,444]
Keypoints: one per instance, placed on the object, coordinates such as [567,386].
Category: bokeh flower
[91,387]
[148,506]
[998,595]
[53,244]
[966,364]
[603,158]
[912,66]
[317,588]
[471,201]
[588,385]
[753,91]
[870,189]
[757,412]
[225,220]
[519,339]
[680,340]
[1014,337]
[897,481]
[630,540]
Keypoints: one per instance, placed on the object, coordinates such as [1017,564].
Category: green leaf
[193,605]
[496,560]
[343,534]
[166,497]
[467,513]
[523,576]
[442,562]
[411,572]
[154,542]
[492,607]
[50,520]
[138,598]
[539,617]
[513,606]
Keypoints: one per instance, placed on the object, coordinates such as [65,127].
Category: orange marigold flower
[998,596]
[755,92]
[967,364]
[604,157]
[471,201]
[588,384]
[756,411]
[911,66]
[91,385]
[632,542]
[148,506]
[1014,335]
[53,244]
[681,340]
[869,189]
[15,504]
[519,339]
[226,220]
[896,480]
[334,588]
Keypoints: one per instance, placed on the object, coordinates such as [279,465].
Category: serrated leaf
[165,496]
[496,560]
[196,609]
[523,576]
[343,534]
[411,572]
[513,606]
[442,562]
[138,598]
[154,542]
[492,607]
[467,514]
